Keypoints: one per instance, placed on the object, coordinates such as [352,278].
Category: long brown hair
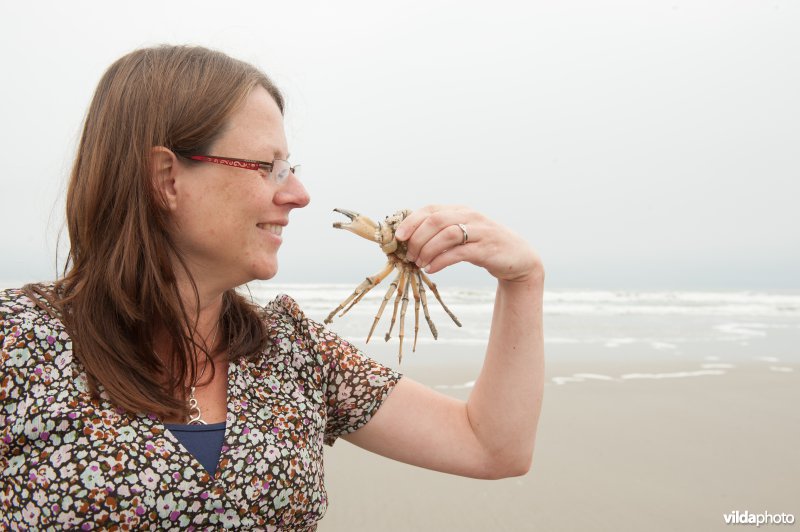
[119,285]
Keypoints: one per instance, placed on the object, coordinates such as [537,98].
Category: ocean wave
[321,297]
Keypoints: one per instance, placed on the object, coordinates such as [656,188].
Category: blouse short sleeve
[353,385]
[356,385]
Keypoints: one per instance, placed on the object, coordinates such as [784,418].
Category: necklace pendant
[195,417]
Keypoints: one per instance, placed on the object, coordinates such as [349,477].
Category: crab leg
[424,298]
[415,289]
[403,314]
[386,298]
[432,286]
[400,285]
[374,281]
[363,288]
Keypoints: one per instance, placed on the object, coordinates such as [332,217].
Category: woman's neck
[203,311]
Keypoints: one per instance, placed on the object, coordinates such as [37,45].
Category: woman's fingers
[434,240]
[427,223]
[449,237]
[447,258]
[409,225]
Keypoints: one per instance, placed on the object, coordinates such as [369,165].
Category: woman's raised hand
[441,235]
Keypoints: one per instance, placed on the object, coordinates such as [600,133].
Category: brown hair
[119,283]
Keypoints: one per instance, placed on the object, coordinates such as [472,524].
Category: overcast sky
[636,145]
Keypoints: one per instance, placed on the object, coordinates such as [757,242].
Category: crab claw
[350,214]
[360,225]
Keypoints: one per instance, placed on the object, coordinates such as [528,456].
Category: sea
[712,331]
[720,329]
[661,319]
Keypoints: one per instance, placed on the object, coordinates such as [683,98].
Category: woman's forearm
[505,403]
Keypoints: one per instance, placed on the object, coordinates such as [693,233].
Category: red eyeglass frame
[229,161]
[248,164]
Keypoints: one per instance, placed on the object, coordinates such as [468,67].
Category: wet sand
[636,441]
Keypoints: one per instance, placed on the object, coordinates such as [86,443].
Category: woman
[179,193]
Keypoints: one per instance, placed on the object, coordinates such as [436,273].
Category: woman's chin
[265,273]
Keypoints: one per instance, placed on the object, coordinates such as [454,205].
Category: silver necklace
[195,415]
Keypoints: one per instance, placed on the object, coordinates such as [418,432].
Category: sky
[635,145]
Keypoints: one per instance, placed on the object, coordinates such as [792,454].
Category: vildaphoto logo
[766,518]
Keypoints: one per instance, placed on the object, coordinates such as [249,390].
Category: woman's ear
[163,171]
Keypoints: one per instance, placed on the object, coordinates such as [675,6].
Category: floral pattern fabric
[67,461]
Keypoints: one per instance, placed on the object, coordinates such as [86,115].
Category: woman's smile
[275,229]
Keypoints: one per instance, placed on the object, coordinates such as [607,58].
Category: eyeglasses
[278,170]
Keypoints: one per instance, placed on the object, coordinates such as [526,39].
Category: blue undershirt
[203,441]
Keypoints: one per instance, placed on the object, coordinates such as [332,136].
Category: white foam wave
[674,375]
[465,301]
[616,342]
[464,386]
[663,345]
[560,340]
[672,297]
[743,329]
[582,377]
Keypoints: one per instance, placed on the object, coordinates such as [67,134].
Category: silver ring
[463,228]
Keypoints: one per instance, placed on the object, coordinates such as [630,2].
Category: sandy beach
[631,439]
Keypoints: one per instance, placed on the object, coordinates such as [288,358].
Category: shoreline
[619,455]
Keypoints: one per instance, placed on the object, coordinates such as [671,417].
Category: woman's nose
[293,193]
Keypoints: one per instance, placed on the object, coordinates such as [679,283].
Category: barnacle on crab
[408,273]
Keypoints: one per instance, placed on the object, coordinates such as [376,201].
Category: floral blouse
[67,461]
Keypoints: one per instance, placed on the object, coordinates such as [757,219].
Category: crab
[408,273]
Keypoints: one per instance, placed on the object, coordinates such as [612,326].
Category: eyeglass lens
[281,169]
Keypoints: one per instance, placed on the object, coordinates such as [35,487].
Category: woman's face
[229,221]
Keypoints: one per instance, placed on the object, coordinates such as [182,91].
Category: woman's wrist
[532,276]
